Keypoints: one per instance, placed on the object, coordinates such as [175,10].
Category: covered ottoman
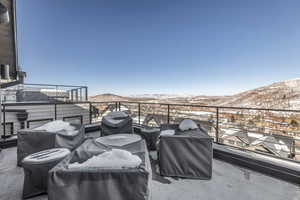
[116,122]
[186,154]
[49,136]
[36,167]
[77,178]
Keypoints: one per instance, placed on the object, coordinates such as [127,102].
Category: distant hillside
[113,97]
[280,95]
[107,97]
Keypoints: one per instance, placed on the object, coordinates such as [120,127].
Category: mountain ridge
[278,95]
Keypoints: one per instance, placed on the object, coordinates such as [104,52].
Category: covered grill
[116,122]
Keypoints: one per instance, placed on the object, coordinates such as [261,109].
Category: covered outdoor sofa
[186,154]
[116,122]
[100,181]
[34,140]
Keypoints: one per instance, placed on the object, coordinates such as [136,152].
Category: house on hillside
[278,145]
[235,137]
[275,144]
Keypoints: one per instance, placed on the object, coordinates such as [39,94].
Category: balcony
[256,151]
[228,182]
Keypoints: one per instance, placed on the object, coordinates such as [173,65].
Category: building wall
[40,114]
[7,40]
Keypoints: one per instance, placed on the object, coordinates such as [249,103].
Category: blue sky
[212,47]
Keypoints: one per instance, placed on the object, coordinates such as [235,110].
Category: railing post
[56,88]
[4,122]
[139,111]
[86,93]
[217,125]
[90,111]
[76,94]
[72,95]
[55,111]
[80,90]
[293,150]
[168,114]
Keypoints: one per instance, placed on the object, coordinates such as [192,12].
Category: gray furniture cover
[186,154]
[100,183]
[31,141]
[36,167]
[150,135]
[116,122]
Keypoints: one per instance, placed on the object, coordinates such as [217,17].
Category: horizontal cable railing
[272,131]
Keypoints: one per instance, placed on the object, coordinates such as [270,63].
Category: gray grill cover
[31,141]
[116,122]
[97,183]
[186,154]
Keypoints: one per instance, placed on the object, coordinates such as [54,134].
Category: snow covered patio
[228,182]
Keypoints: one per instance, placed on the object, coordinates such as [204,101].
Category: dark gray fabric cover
[97,183]
[31,141]
[150,135]
[186,154]
[116,122]
[36,177]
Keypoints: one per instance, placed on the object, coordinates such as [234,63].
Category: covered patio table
[99,181]
[186,154]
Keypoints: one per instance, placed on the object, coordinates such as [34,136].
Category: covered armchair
[185,153]
[116,122]
[48,136]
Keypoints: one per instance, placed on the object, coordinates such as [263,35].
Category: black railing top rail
[43,103]
[206,106]
[152,103]
[57,103]
[55,85]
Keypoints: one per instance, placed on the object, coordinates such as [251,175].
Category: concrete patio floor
[229,182]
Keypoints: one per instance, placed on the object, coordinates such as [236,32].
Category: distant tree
[251,122]
[294,123]
[232,118]
[257,118]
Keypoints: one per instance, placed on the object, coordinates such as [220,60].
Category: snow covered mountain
[279,95]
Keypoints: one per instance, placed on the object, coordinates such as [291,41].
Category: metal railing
[272,131]
[44,92]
